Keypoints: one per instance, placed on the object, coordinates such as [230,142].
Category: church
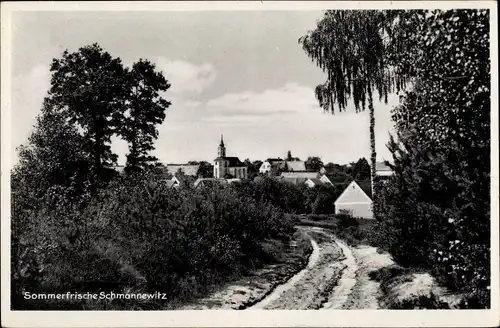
[228,167]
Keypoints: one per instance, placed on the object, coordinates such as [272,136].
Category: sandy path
[346,282]
[311,287]
[335,277]
[275,295]
[366,291]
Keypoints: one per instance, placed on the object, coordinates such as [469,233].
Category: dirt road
[336,278]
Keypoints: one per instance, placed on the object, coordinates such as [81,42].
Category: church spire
[222,148]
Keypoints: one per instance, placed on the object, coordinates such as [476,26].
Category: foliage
[420,302]
[361,170]
[88,86]
[102,98]
[252,168]
[350,47]
[314,163]
[435,210]
[145,109]
[139,234]
[205,170]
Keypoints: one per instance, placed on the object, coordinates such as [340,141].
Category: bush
[418,303]
[139,234]
[345,220]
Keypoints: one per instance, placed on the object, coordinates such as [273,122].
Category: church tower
[222,148]
[220,162]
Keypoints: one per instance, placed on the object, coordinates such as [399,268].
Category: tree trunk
[373,157]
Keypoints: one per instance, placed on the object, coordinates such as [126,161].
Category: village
[340,162]
[356,198]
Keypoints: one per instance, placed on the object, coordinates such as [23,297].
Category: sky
[237,73]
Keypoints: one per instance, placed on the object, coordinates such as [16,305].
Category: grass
[354,231]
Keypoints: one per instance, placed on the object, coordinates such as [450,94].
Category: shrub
[426,302]
[138,233]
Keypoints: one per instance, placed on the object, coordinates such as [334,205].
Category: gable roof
[232,161]
[208,181]
[360,193]
[294,180]
[366,185]
[315,181]
[295,165]
[186,169]
[324,178]
[170,183]
[302,174]
[381,166]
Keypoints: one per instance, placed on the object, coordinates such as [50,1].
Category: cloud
[258,125]
[185,77]
[289,99]
[28,91]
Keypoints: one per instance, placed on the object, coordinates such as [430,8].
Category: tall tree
[88,86]
[361,169]
[146,109]
[54,156]
[349,45]
[441,187]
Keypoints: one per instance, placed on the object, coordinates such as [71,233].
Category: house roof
[361,196]
[186,169]
[208,181]
[302,174]
[170,183]
[271,160]
[366,185]
[233,161]
[316,181]
[185,179]
[295,165]
[325,179]
[381,166]
[294,180]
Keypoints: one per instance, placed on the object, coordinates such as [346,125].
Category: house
[304,174]
[313,182]
[171,184]
[119,168]
[278,164]
[293,166]
[208,182]
[324,178]
[186,169]
[181,180]
[298,177]
[272,164]
[265,167]
[383,171]
[356,198]
[224,165]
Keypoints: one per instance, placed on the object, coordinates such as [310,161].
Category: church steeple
[222,148]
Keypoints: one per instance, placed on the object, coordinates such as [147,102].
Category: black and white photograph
[186,160]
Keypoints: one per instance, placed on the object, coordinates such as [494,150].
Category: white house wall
[363,210]
[354,199]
